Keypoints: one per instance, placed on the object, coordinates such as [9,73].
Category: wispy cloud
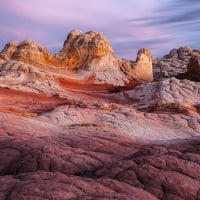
[176,20]
[128,25]
[61,11]
[169,15]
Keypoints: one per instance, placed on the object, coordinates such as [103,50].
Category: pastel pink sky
[127,24]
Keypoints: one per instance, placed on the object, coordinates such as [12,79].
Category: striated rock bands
[89,55]
[83,124]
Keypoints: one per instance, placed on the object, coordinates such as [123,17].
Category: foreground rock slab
[92,163]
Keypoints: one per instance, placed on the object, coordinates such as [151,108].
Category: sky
[129,25]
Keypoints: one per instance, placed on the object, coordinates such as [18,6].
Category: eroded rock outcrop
[88,55]
[26,51]
[137,68]
[144,64]
[193,69]
[9,49]
[81,49]
[169,94]
[174,63]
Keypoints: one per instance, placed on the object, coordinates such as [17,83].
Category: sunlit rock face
[83,124]
[89,55]
[9,49]
[26,51]
[143,67]
[80,49]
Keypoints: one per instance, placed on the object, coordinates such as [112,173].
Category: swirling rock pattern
[83,124]
[85,53]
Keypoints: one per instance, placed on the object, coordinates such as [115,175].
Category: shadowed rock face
[193,69]
[67,131]
[174,63]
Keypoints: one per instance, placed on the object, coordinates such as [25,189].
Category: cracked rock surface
[91,163]
[67,134]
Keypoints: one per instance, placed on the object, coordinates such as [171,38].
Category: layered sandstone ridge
[88,55]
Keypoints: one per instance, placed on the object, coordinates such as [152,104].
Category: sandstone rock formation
[193,69]
[67,131]
[26,51]
[174,63]
[9,49]
[88,54]
[81,49]
[144,64]
[167,94]
[137,68]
